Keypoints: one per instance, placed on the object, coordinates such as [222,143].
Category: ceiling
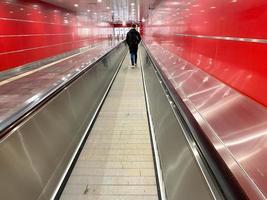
[116,11]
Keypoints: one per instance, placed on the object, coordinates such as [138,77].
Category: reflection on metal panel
[182,176]
[35,154]
[234,124]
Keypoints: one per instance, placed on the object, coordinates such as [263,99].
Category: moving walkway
[111,132]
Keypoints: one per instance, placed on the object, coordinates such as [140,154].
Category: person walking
[133,38]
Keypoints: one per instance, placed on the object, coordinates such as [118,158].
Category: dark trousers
[133,56]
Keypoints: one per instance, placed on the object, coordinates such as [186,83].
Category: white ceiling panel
[116,11]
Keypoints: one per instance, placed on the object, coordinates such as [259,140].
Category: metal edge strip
[28,109]
[189,137]
[162,194]
[239,39]
[193,146]
[86,133]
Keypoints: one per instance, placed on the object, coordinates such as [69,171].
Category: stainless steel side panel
[35,154]
[182,176]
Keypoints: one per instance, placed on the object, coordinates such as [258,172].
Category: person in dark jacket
[133,38]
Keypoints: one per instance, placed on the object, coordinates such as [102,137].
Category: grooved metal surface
[116,161]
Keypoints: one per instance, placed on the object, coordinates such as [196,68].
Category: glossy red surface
[240,64]
[33,30]
[219,78]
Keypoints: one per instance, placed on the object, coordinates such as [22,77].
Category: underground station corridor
[133,100]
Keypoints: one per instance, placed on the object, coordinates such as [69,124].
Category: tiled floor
[18,91]
[116,162]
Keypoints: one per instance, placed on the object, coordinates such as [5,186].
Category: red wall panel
[218,36]
[32,30]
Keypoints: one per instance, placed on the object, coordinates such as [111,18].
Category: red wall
[240,64]
[32,30]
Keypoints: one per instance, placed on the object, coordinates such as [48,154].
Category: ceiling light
[88,10]
[108,7]
[176,3]
[99,1]
[132,4]
[76,5]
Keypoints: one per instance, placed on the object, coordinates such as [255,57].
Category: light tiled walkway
[116,162]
